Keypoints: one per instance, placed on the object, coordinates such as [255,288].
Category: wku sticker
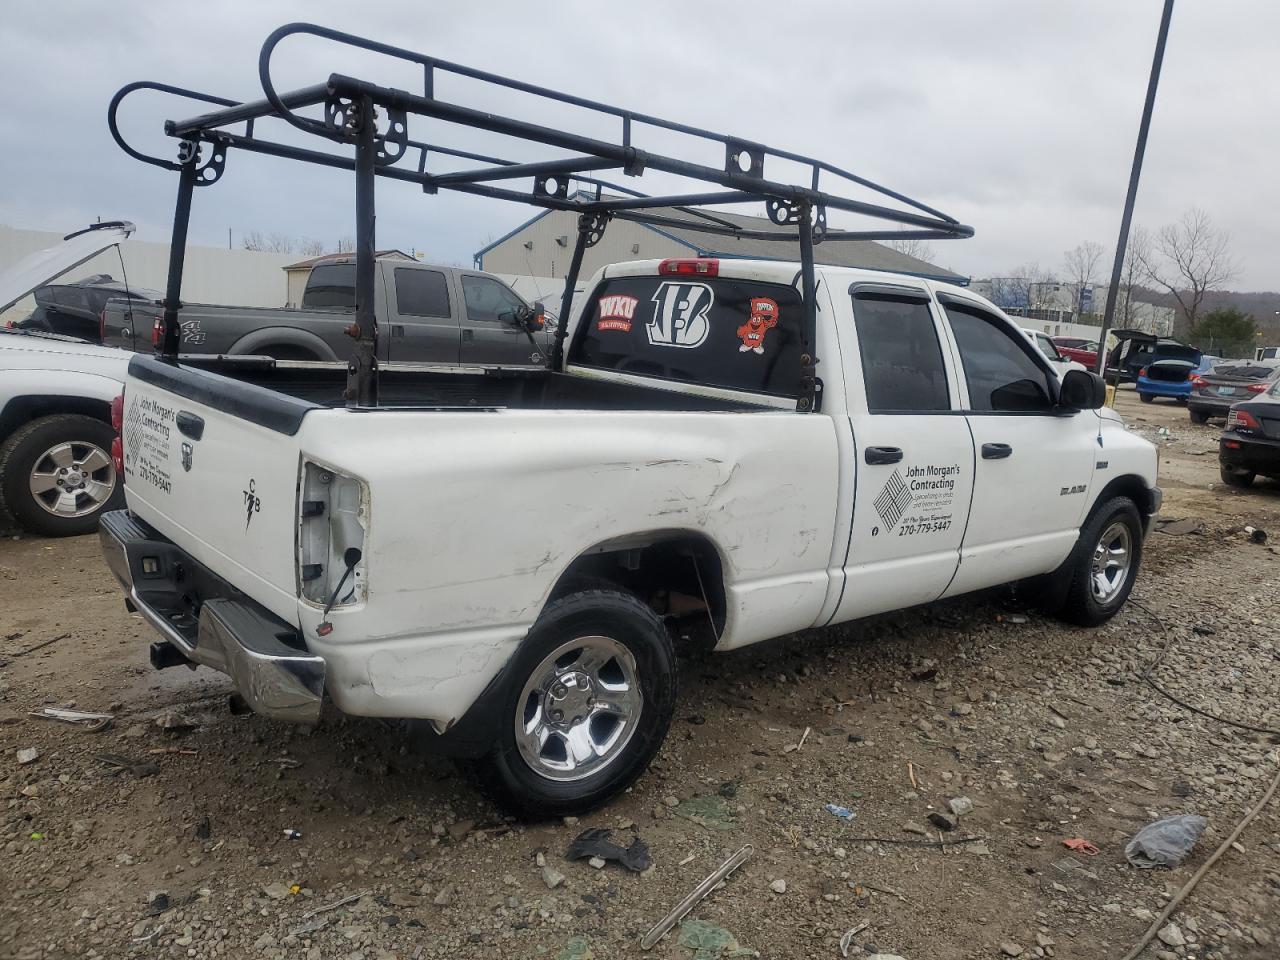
[680,315]
[763,318]
[616,312]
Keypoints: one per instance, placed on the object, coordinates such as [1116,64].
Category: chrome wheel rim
[1112,559]
[72,479]
[579,708]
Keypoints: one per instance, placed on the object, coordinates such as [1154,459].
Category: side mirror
[1082,390]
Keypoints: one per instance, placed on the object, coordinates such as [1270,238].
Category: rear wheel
[1236,477]
[586,705]
[1198,416]
[1104,564]
[1146,397]
[56,475]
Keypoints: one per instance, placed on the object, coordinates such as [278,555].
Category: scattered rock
[552,877]
[1011,949]
[277,891]
[942,821]
[912,827]
[28,755]
[445,897]
[1172,936]
[960,806]
[778,886]
[597,863]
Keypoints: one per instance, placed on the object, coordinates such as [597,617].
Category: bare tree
[1190,258]
[1081,263]
[310,248]
[346,245]
[1137,252]
[913,247]
[254,240]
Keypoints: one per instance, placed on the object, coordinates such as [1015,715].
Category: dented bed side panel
[476,515]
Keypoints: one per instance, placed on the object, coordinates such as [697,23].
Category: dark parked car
[1250,445]
[1228,383]
[1137,351]
[74,309]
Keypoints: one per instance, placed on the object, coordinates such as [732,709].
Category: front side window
[488,300]
[998,366]
[902,367]
[1047,347]
[421,293]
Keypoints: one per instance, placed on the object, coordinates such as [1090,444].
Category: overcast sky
[1016,117]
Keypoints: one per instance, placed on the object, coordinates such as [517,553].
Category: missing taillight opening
[1242,420]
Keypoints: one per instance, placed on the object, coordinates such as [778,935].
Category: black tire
[504,772]
[1236,477]
[21,454]
[1146,397]
[1198,416]
[1080,605]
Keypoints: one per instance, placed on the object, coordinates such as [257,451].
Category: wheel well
[22,410]
[1131,486]
[671,571]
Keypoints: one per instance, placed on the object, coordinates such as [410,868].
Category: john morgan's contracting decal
[763,318]
[680,315]
[920,502]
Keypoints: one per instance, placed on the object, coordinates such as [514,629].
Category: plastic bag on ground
[1166,842]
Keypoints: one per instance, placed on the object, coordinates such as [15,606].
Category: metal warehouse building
[543,246]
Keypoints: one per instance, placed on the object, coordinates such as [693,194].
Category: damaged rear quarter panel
[475,516]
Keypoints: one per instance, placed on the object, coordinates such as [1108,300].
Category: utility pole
[1139,151]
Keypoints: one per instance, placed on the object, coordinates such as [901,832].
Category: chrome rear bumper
[232,634]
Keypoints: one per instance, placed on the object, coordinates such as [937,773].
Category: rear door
[488,336]
[423,315]
[1033,466]
[913,457]
[222,485]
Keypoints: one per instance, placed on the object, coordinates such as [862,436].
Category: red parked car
[1078,349]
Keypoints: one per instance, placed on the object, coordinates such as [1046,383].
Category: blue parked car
[1168,369]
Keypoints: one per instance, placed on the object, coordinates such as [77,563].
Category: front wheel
[57,477]
[585,705]
[1198,416]
[1105,563]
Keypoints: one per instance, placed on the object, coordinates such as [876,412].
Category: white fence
[211,275]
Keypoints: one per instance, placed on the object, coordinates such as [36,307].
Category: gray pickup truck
[426,314]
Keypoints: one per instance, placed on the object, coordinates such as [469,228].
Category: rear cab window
[734,334]
[331,286]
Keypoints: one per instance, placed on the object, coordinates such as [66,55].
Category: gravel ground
[1047,730]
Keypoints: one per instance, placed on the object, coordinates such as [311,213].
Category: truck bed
[324,385]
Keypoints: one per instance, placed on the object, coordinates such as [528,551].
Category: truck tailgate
[220,481]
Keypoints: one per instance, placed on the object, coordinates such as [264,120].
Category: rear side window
[902,366]
[997,363]
[331,285]
[715,331]
[421,293]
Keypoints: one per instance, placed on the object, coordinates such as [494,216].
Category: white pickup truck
[508,567]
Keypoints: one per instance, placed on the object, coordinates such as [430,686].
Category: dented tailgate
[212,463]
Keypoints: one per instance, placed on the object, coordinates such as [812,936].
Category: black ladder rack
[352,109]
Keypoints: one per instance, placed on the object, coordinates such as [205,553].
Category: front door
[913,455]
[1034,464]
[488,335]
